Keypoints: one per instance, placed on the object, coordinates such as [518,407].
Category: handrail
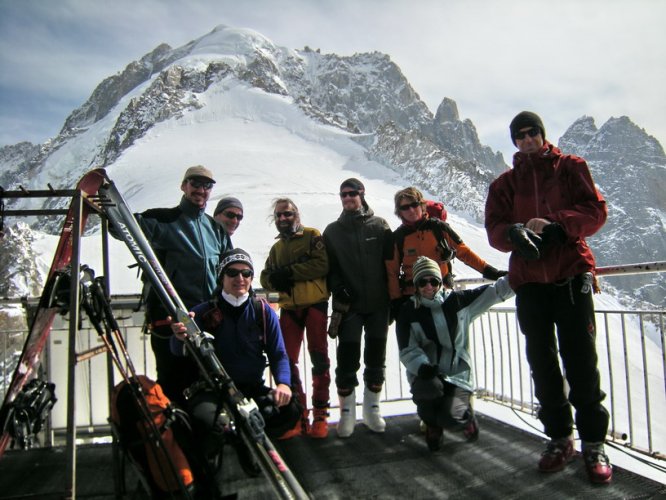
[630,343]
[621,270]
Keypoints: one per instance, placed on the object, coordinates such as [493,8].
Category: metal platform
[396,464]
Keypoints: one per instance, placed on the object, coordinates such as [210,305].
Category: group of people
[540,211]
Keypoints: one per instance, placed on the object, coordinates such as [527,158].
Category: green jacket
[304,253]
[188,243]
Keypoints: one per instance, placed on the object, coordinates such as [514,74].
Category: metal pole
[70,452]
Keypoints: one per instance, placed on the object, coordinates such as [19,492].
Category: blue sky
[562,59]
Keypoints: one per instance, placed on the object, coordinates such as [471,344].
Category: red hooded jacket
[552,186]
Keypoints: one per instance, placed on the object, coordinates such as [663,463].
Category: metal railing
[630,345]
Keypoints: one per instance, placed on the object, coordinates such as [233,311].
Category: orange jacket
[421,240]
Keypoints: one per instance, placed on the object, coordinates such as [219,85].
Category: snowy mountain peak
[256,112]
[235,42]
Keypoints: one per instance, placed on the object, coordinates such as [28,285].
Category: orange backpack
[137,435]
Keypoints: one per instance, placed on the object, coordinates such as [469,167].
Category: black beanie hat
[232,256]
[526,119]
[353,183]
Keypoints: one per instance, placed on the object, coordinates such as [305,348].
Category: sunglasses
[350,194]
[233,215]
[207,185]
[286,213]
[232,273]
[533,132]
[434,282]
[406,207]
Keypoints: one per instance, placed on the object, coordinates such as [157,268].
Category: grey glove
[526,241]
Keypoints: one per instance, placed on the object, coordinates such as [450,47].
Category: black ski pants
[568,310]
[348,353]
[442,404]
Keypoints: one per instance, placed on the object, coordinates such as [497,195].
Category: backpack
[436,210]
[436,223]
[155,463]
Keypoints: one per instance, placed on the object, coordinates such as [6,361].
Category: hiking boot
[599,469]
[297,430]
[302,427]
[305,422]
[434,437]
[347,420]
[371,414]
[558,453]
[471,430]
[319,427]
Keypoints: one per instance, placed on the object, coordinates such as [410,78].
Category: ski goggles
[434,282]
[233,215]
[406,207]
[232,273]
[207,185]
[533,132]
[286,213]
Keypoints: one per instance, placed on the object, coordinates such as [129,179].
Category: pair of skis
[244,412]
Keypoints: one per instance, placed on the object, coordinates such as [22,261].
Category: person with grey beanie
[433,337]
[229,213]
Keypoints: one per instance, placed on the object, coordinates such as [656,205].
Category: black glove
[553,234]
[394,311]
[491,273]
[281,280]
[428,371]
[342,295]
[526,241]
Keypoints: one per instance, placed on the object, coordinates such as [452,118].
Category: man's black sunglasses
[351,194]
[434,282]
[533,132]
[286,213]
[207,185]
[406,207]
[232,272]
[233,215]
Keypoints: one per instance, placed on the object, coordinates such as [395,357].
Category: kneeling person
[433,337]
[245,332]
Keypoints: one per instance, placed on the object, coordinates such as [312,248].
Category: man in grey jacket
[358,243]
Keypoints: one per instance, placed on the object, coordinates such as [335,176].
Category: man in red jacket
[541,211]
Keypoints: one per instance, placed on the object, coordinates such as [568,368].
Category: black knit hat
[353,183]
[233,256]
[526,119]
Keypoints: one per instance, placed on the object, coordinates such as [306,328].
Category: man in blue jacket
[188,244]
[246,334]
